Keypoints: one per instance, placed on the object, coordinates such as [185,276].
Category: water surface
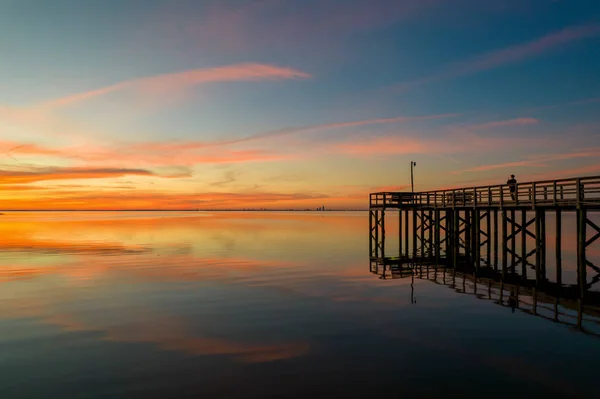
[144,305]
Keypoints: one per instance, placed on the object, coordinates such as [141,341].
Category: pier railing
[561,192]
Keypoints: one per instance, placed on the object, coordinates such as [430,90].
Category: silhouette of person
[512,185]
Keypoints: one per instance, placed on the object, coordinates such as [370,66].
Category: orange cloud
[186,79]
[42,174]
[11,147]
[94,200]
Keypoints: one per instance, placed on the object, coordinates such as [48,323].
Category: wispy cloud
[192,152]
[449,142]
[186,79]
[43,174]
[536,161]
[585,101]
[156,154]
[504,123]
[509,55]
[336,125]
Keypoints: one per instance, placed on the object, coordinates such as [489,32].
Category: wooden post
[376,233]
[400,232]
[406,235]
[422,246]
[414,216]
[488,231]
[431,233]
[504,243]
[513,241]
[477,237]
[495,239]
[437,238]
[370,233]
[455,237]
[538,246]
[558,247]
[543,233]
[468,224]
[383,234]
[581,259]
[523,244]
[448,235]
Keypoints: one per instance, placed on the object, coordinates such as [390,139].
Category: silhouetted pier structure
[492,230]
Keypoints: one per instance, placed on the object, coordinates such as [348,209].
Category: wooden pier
[491,228]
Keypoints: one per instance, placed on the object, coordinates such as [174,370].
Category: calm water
[151,305]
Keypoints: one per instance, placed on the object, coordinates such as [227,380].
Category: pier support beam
[495,239]
[581,245]
[400,233]
[558,247]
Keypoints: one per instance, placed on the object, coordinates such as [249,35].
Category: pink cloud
[191,152]
[149,154]
[186,79]
[223,27]
[450,143]
[11,147]
[509,55]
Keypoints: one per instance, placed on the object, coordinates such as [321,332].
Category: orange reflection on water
[50,261]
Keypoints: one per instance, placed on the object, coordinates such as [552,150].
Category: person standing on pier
[512,185]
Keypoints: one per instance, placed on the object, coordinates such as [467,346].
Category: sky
[232,104]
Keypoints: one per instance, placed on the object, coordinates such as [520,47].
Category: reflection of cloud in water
[147,267]
[66,248]
[165,333]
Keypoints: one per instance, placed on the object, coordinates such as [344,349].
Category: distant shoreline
[182,210]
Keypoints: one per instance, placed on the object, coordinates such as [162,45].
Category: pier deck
[567,194]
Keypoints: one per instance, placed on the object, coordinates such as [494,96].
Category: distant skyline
[280,104]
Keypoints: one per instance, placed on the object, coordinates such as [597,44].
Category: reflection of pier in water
[552,301]
[490,237]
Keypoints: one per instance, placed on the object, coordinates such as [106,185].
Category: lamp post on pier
[412,183]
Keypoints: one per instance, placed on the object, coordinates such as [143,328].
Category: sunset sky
[177,104]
